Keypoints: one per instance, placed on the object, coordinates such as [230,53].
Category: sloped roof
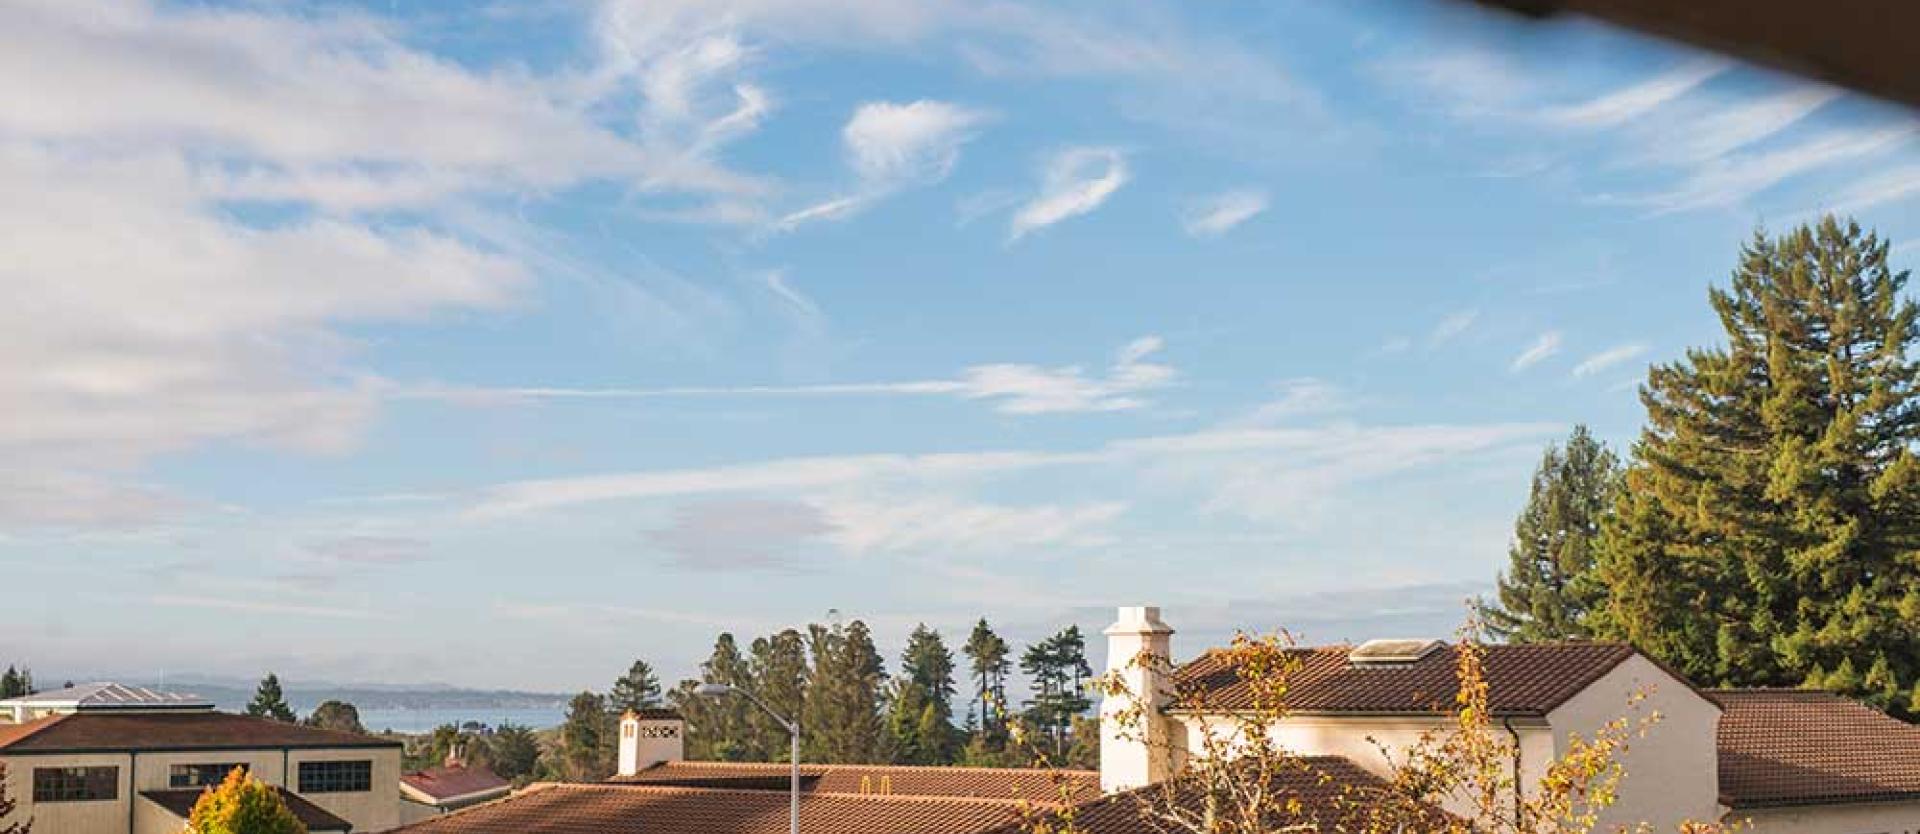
[1786,747]
[1326,793]
[444,783]
[91,696]
[897,780]
[1522,680]
[91,732]
[655,809]
[179,802]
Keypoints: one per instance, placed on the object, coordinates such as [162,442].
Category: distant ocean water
[424,720]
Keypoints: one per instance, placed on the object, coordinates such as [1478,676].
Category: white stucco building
[107,759]
[1785,762]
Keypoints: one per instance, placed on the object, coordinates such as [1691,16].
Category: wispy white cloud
[1638,99]
[1013,388]
[1543,347]
[1719,128]
[1297,398]
[892,146]
[1451,327]
[1880,187]
[1220,213]
[256,605]
[943,524]
[1255,471]
[1724,181]
[1074,182]
[914,142]
[1608,358]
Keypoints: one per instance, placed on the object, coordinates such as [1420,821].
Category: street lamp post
[718,690]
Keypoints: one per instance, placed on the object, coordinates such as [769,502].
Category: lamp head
[713,690]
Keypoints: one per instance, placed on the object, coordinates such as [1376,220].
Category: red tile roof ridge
[893,798]
[919,768]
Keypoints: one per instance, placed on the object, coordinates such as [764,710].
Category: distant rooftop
[108,696]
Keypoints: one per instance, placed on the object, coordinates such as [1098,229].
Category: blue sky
[500,346]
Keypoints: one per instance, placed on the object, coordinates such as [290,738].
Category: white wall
[1868,818]
[1673,771]
[1370,741]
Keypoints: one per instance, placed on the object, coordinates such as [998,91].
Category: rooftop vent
[1392,652]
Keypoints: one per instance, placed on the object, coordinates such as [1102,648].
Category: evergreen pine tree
[588,740]
[637,689]
[269,702]
[988,663]
[1771,512]
[10,686]
[1057,670]
[1549,586]
[717,728]
[779,677]
[842,720]
[921,709]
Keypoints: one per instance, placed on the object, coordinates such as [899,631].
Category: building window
[336,777]
[199,775]
[75,784]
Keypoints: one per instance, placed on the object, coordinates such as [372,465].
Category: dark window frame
[80,783]
[336,776]
[200,774]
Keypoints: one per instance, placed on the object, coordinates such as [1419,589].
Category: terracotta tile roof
[896,780]
[1521,679]
[1795,747]
[655,809]
[1331,792]
[317,819]
[654,714]
[105,732]
[10,733]
[444,783]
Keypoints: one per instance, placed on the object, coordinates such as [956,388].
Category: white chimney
[649,737]
[1139,653]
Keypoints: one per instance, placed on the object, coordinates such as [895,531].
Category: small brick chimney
[1139,652]
[649,737]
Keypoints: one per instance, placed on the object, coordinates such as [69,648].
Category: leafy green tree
[921,707]
[637,689]
[243,805]
[1057,670]
[515,752]
[269,702]
[1767,531]
[780,677]
[988,662]
[588,740]
[7,806]
[1549,585]
[336,715]
[717,728]
[841,717]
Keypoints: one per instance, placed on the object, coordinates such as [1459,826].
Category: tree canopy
[242,804]
[336,715]
[1548,586]
[269,702]
[1771,516]
[639,688]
